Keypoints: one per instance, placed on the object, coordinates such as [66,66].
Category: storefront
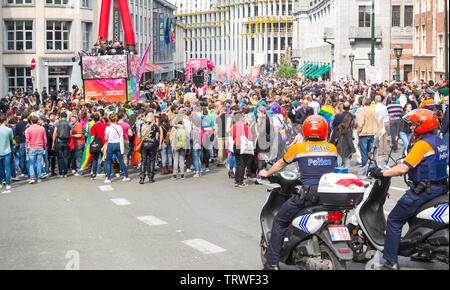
[59,78]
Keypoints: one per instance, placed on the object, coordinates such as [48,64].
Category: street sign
[33,63]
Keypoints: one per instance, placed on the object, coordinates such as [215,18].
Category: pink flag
[141,72]
[144,60]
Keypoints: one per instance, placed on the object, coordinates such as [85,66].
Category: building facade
[249,33]
[429,40]
[328,31]
[189,6]
[51,32]
[162,52]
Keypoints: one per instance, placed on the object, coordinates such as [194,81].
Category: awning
[322,71]
[309,70]
[150,67]
[318,72]
[314,71]
[306,66]
[303,66]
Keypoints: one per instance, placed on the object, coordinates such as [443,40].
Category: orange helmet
[315,126]
[426,120]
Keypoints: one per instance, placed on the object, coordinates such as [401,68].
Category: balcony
[355,33]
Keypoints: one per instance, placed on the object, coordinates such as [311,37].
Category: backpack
[167,139]
[181,139]
[63,130]
[97,144]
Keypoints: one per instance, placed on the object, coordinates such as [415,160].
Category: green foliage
[287,72]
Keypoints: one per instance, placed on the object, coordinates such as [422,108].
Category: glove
[376,172]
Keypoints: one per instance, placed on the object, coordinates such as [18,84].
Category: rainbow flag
[327,112]
[86,159]
[166,96]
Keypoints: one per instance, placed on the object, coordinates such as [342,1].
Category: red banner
[108,91]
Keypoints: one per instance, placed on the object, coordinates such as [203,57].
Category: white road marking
[398,188]
[151,220]
[120,201]
[105,187]
[204,246]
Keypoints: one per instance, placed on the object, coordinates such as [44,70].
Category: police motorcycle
[426,239]
[317,238]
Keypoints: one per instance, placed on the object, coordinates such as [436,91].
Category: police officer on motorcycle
[427,174]
[315,157]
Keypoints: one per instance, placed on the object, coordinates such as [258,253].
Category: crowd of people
[180,129]
[109,47]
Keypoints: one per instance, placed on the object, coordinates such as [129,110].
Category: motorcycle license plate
[339,233]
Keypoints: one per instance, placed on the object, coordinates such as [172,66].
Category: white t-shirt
[382,112]
[315,106]
[114,135]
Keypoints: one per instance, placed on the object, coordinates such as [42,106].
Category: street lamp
[372,36]
[398,53]
[351,57]
[370,57]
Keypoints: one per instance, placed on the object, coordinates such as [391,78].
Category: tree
[287,72]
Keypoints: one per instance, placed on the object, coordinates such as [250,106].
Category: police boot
[269,266]
[390,266]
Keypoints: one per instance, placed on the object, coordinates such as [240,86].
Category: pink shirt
[35,137]
[125,126]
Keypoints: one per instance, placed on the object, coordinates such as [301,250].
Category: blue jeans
[23,159]
[166,155]
[13,162]
[62,151]
[35,162]
[5,168]
[406,137]
[365,146]
[78,155]
[114,149]
[405,208]
[196,154]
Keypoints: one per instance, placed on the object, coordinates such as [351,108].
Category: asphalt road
[190,224]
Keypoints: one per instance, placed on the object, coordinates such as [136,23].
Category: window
[423,44]
[86,3]
[86,31]
[19,35]
[364,16]
[440,52]
[58,35]
[440,6]
[19,77]
[18,2]
[409,16]
[57,2]
[395,16]
[417,40]
[407,69]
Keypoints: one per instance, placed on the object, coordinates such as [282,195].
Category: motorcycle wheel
[328,255]
[359,245]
